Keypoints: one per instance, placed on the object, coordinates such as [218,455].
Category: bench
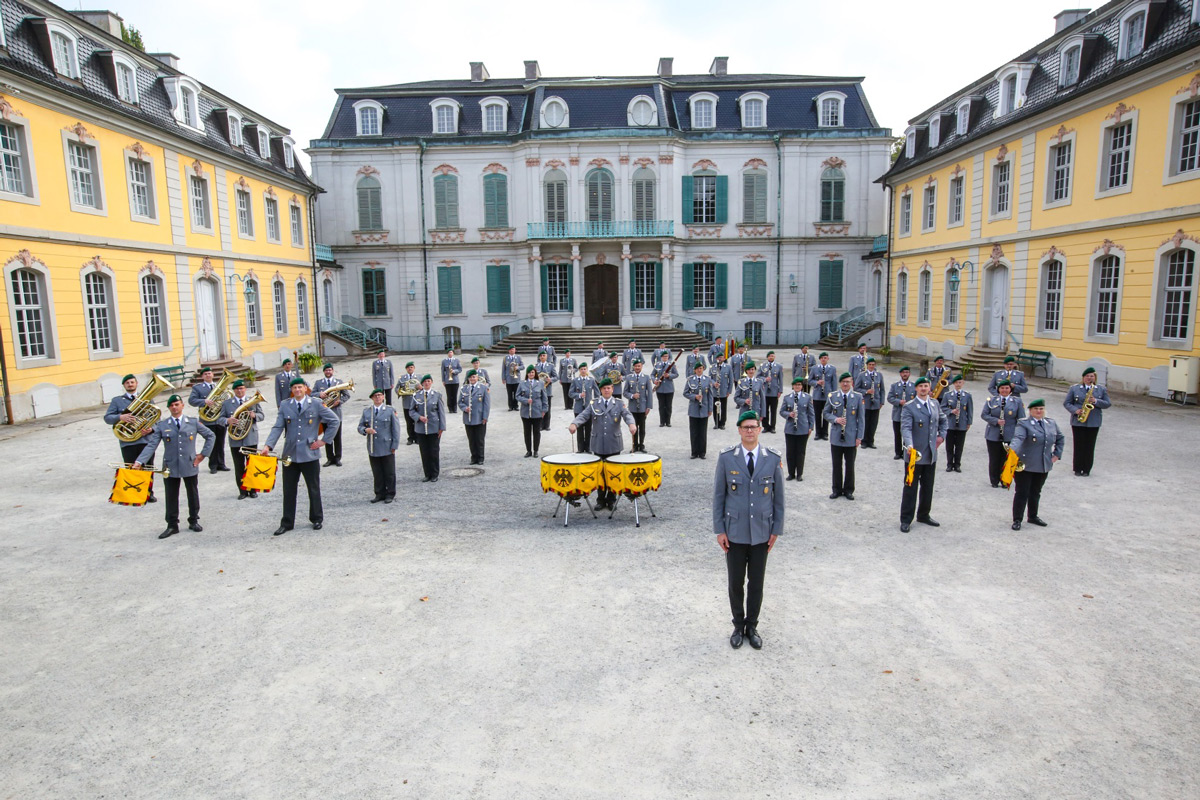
[174,375]
[1032,359]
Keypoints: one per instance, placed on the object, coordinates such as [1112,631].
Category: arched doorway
[602,295]
[208,320]
[995,311]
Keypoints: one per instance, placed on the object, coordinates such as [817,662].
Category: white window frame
[235,122]
[925,297]
[962,118]
[56,27]
[244,231]
[1043,296]
[202,178]
[254,328]
[633,104]
[302,305]
[163,321]
[1171,173]
[1053,147]
[1161,264]
[693,101]
[558,282]
[556,176]
[929,208]
[935,130]
[176,87]
[1128,48]
[121,60]
[644,287]
[296,222]
[1075,43]
[904,215]
[116,348]
[1105,151]
[840,99]
[959,203]
[48,318]
[358,117]
[910,142]
[329,295]
[27,167]
[994,213]
[262,142]
[279,306]
[289,152]
[554,100]
[902,296]
[435,108]
[493,102]
[1020,72]
[274,236]
[1094,266]
[744,100]
[96,168]
[951,299]
[151,187]
[704,286]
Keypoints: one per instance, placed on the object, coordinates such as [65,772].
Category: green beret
[845,376]
[1009,359]
[796,380]
[426,377]
[174,399]
[1003,383]
[410,364]
[613,354]
[749,365]
[871,360]
[604,382]
[1039,403]
[823,355]
[545,338]
[238,383]
[210,369]
[471,372]
[745,415]
[906,369]
[294,381]
[287,361]
[956,379]
[567,351]
[770,352]
[375,392]
[131,376]
[531,368]
[697,365]
[475,360]
[920,380]
[940,358]
[327,366]
[633,341]
[1087,371]
[599,344]
[637,361]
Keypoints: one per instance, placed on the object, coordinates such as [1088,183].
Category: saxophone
[1089,405]
[242,419]
[221,392]
[943,382]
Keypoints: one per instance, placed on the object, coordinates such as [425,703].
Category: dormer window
[289,152]
[830,108]
[754,110]
[495,114]
[64,49]
[703,109]
[1012,80]
[185,100]
[910,142]
[1133,31]
[962,122]
[642,112]
[125,72]
[555,113]
[368,118]
[264,142]
[235,128]
[445,115]
[935,130]
[1069,71]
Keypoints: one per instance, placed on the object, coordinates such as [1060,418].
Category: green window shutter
[722,199]
[495,201]
[754,197]
[443,279]
[571,287]
[633,286]
[492,288]
[689,185]
[829,277]
[445,201]
[545,289]
[499,296]
[722,284]
[456,305]
[754,284]
[658,286]
[689,287]
[747,284]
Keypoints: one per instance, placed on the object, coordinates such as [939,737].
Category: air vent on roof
[170,59]
[106,21]
[1068,17]
[664,67]
[532,71]
[479,72]
[720,66]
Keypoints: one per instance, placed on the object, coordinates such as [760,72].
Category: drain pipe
[778,232]
[424,244]
[887,309]
[8,409]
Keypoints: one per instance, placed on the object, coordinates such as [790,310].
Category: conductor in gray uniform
[922,426]
[606,414]
[1038,443]
[381,426]
[748,511]
[299,422]
[177,434]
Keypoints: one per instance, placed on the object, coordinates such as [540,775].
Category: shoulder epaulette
[730,449]
[776,452]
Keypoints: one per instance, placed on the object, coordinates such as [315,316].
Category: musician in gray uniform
[382,376]
[900,393]
[748,514]
[381,425]
[614,371]
[717,348]
[771,375]
[533,398]
[333,447]
[199,399]
[512,369]
[822,382]
[599,353]
[481,373]
[936,372]
[959,408]
[1084,432]
[429,417]
[606,414]
[632,352]
[250,440]
[639,395]
[697,390]
[1000,415]
[665,374]
[299,422]
[858,362]
[475,403]
[737,363]
[658,352]
[451,369]
[118,409]
[566,373]
[283,381]
[548,374]
[548,349]
[845,410]
[799,419]
[692,358]
[406,387]
[802,363]
[177,434]
[869,384]
[750,394]
[923,427]
[1038,442]
[720,380]
[583,391]
[1010,373]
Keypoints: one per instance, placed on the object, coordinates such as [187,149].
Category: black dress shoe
[800,477]
[327,463]
[1016,526]
[410,441]
[904,526]
[195,526]
[222,468]
[389,500]
[835,495]
[317,526]
[243,494]
[151,499]
[426,480]
[995,486]
[253,494]
[433,479]
[897,457]
[170,531]
[281,530]
[701,456]
[337,463]
[1041,523]
[754,639]
[528,454]
[694,456]
[930,521]
[848,495]
[791,477]
[735,639]
[376,499]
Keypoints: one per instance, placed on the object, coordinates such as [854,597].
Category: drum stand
[637,522]
[567,513]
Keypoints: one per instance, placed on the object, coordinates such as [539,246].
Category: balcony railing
[323,252]
[622,229]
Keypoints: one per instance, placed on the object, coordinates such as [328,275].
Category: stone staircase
[218,368]
[985,360]
[615,338]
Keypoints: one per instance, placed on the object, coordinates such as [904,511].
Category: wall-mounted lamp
[970,268]
[792,286]
[953,279]
[412,291]
[249,292]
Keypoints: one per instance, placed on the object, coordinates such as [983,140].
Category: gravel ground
[461,643]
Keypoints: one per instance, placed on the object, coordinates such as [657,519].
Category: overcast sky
[284,59]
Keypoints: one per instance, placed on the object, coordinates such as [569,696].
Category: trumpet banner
[260,473]
[910,473]
[131,487]
[1009,469]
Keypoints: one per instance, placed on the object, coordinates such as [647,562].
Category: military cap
[1009,359]
[770,352]
[633,341]
[1086,371]
[823,355]
[906,368]
[295,381]
[940,358]
[637,361]
[174,399]
[568,350]
[1039,403]
[749,365]
[327,366]
[956,379]
[745,415]
[210,369]
[1003,383]
[796,380]
[238,383]
[697,366]
[545,338]
[285,362]
[920,380]
[376,391]
[471,372]
[410,364]
[475,360]
[871,360]
[426,377]
[531,368]
[604,382]
[844,376]
[861,345]
[128,377]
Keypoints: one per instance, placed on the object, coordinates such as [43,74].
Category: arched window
[1105,306]
[703,108]
[154,311]
[253,316]
[877,288]
[451,337]
[495,114]
[902,297]
[705,329]
[125,72]
[302,305]
[280,297]
[98,307]
[495,201]
[1069,60]
[555,113]
[950,307]
[831,109]
[370,204]
[445,201]
[445,115]
[64,49]
[555,185]
[833,195]
[754,332]
[1175,301]
[33,323]
[599,183]
[962,118]
[498,333]
[754,110]
[926,297]
[1133,31]
[642,112]
[644,199]
[327,293]
[368,117]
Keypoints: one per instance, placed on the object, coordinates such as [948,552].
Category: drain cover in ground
[465,472]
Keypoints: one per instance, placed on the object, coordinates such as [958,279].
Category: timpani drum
[571,475]
[633,474]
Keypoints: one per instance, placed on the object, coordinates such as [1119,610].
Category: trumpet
[250,451]
[210,412]
[338,392]
[242,419]
[165,471]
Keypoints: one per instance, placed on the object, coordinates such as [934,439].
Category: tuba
[220,393]
[339,391]
[1089,405]
[242,419]
[146,412]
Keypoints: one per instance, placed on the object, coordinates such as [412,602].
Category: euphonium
[146,412]
[943,382]
[1089,405]
[242,419]
[339,391]
[220,393]
[407,386]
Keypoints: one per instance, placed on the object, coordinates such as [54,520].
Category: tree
[132,37]
[897,147]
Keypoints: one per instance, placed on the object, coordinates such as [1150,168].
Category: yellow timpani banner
[260,473]
[131,487]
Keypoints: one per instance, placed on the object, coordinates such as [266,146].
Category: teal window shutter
[829,278]
[754,284]
[456,306]
[495,201]
[689,287]
[722,199]
[445,201]
[571,287]
[689,185]
[658,286]
[443,279]
[633,286]
[545,289]
[722,285]
[499,296]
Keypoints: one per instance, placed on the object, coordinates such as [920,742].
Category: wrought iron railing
[853,321]
[323,252]
[618,229]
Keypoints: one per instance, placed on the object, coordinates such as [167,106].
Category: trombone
[250,451]
[165,471]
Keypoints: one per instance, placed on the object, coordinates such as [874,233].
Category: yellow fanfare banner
[913,457]
[131,487]
[260,473]
[633,479]
[570,480]
[1011,467]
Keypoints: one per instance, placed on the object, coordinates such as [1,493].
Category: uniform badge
[766,489]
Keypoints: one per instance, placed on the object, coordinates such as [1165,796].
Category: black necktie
[177,424]
[750,463]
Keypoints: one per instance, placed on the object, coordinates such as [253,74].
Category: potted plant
[309,362]
[885,353]
[248,376]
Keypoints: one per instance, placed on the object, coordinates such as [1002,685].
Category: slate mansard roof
[23,55]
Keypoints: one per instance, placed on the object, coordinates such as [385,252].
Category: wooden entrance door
[601,290]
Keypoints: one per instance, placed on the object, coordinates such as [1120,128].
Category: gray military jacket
[475,403]
[798,412]
[692,358]
[858,363]
[1036,444]
[321,384]
[509,377]
[116,407]
[300,425]
[737,365]
[227,409]
[566,370]
[199,395]
[583,390]
[1075,397]
[748,509]
[951,400]
[614,372]
[598,355]
[850,406]
[179,445]
[387,430]
[283,386]
[900,391]
[484,378]
[750,396]
[628,356]
[535,391]
[430,404]
[870,380]
[639,383]
[700,387]
[546,368]
[548,349]
[451,368]
[665,373]
[720,379]
[802,364]
[922,427]
[382,376]
[1015,377]
[408,381]
[822,372]
[1010,408]
[607,431]
[772,378]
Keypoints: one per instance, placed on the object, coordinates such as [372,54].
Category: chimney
[106,21]
[664,67]
[479,72]
[1067,18]
[532,71]
[720,66]
[170,59]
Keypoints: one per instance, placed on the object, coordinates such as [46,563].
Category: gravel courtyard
[461,643]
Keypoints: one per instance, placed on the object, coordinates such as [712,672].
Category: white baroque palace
[463,210]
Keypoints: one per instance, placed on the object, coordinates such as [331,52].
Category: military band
[1000,415]
[475,403]
[451,369]
[428,412]
[771,375]
[200,398]
[822,382]
[177,434]
[844,411]
[639,397]
[253,415]
[567,367]
[899,394]
[299,424]
[664,377]
[606,414]
[513,368]
[381,426]
[533,399]
[406,388]
[1038,443]
[118,412]
[697,390]
[382,376]
[869,384]
[923,428]
[960,413]
[1085,402]
[321,387]
[799,418]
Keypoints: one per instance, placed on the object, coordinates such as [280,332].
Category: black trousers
[383,469]
[843,468]
[822,423]
[567,403]
[216,459]
[430,445]
[996,456]
[665,402]
[639,438]
[1083,448]
[387,392]
[546,416]
[797,447]
[129,455]
[720,412]
[311,470]
[954,447]
[451,396]
[533,433]
[746,561]
[475,437]
[511,388]
[919,496]
[1028,493]
[872,415]
[193,499]
[583,437]
[410,425]
[239,463]
[897,439]
[772,410]
[698,427]
[333,449]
